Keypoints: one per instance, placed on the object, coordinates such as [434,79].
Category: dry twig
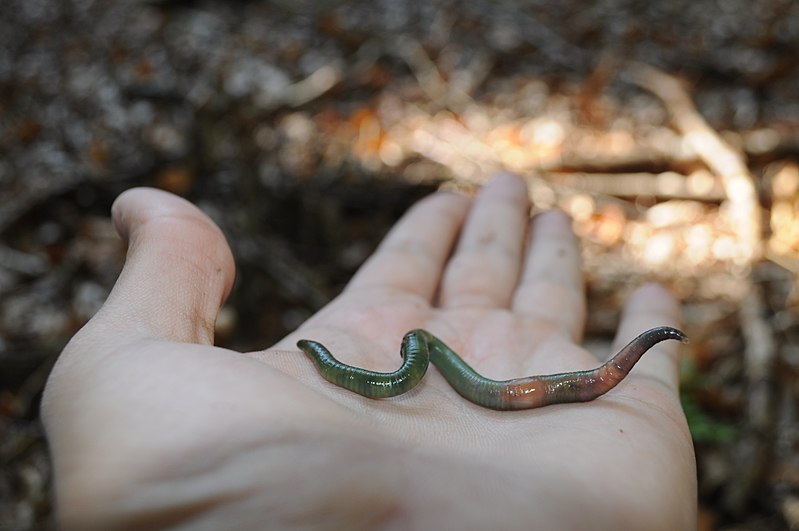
[743,207]
[755,447]
[667,184]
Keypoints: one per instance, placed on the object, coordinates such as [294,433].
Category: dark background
[306,128]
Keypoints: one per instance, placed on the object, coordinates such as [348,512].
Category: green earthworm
[420,348]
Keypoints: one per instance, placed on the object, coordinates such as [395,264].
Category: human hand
[151,426]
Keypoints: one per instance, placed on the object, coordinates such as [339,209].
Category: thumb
[178,271]
[107,394]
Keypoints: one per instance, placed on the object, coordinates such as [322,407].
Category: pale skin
[151,426]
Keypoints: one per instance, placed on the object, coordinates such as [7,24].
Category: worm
[420,348]
[415,360]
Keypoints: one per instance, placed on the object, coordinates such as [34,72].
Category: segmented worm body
[415,355]
[420,348]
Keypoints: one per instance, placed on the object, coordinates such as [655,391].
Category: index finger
[412,257]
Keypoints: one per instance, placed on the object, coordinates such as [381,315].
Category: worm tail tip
[681,336]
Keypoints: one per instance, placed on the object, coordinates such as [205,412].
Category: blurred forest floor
[668,130]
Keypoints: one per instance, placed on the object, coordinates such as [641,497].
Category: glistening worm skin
[420,347]
[416,359]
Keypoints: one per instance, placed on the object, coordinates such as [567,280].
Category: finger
[178,271]
[649,306]
[412,256]
[485,268]
[551,288]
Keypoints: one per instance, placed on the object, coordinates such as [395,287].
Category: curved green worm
[420,348]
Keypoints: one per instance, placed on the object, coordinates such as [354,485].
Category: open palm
[153,427]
